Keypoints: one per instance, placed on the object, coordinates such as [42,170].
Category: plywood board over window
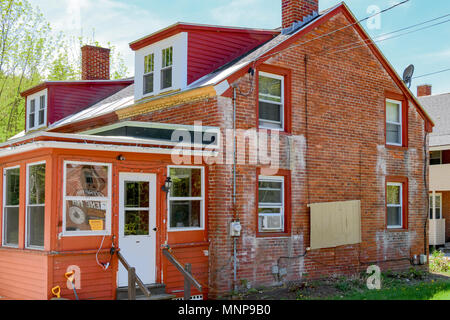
[335,224]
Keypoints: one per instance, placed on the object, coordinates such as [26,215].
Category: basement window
[87,199]
[186,198]
[271,101]
[11,184]
[149,68]
[166,68]
[35,219]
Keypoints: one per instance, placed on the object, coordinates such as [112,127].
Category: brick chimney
[296,10]
[94,63]
[424,90]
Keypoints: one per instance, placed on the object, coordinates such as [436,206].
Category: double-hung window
[166,68]
[437,205]
[271,206]
[37,112]
[11,183]
[394,205]
[87,199]
[186,198]
[35,219]
[394,127]
[271,101]
[149,76]
[435,157]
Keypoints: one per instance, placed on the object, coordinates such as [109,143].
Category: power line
[381,37]
[334,31]
[433,73]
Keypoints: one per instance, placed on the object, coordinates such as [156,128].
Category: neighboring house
[350,190]
[438,107]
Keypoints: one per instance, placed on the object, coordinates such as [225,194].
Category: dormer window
[37,110]
[166,68]
[149,68]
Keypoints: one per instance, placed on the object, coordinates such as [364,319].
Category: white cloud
[112,21]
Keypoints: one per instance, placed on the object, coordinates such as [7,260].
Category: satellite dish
[408,74]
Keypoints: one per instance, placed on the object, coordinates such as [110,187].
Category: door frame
[152,177]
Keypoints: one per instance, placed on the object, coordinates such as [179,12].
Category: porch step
[158,291]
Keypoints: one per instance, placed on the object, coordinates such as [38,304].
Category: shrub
[438,262]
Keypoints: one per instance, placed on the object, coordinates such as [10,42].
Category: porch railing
[133,279]
[186,271]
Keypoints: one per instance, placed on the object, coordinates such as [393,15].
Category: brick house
[332,178]
[437,106]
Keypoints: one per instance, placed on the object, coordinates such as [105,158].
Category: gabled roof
[237,68]
[438,107]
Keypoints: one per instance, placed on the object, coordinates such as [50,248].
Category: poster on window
[86,197]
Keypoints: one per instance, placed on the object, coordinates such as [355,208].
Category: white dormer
[37,110]
[161,66]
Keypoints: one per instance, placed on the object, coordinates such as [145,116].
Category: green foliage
[439,263]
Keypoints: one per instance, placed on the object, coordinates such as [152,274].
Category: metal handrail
[186,271]
[133,279]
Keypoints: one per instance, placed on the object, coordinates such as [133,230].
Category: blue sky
[123,21]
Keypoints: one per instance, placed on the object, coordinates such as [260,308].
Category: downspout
[235,218]
[425,176]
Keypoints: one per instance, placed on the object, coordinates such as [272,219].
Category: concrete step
[157,289]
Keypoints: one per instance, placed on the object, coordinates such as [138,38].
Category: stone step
[156,289]
[156,297]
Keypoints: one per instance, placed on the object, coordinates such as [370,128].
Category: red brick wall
[296,10]
[94,63]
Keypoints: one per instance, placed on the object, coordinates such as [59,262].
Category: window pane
[137,194]
[435,157]
[393,133]
[136,223]
[392,112]
[394,217]
[41,117]
[185,214]
[186,182]
[12,226]
[270,86]
[85,215]
[12,187]
[149,65]
[31,120]
[166,78]
[42,102]
[35,223]
[438,213]
[148,83]
[270,114]
[33,106]
[393,194]
[36,184]
[86,180]
[167,55]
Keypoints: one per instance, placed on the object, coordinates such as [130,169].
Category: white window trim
[37,107]
[146,74]
[438,195]
[282,109]
[396,184]
[202,199]
[161,90]
[400,104]
[27,197]
[283,203]
[108,200]
[4,244]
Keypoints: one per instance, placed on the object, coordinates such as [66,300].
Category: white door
[137,225]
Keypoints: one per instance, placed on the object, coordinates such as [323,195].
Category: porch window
[394,122]
[149,76]
[271,101]
[271,204]
[87,199]
[186,198]
[394,205]
[437,205]
[11,183]
[35,205]
[435,157]
[166,68]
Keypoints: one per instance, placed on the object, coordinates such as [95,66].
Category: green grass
[424,291]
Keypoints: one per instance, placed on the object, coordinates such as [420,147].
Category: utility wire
[382,37]
[334,31]
[430,74]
